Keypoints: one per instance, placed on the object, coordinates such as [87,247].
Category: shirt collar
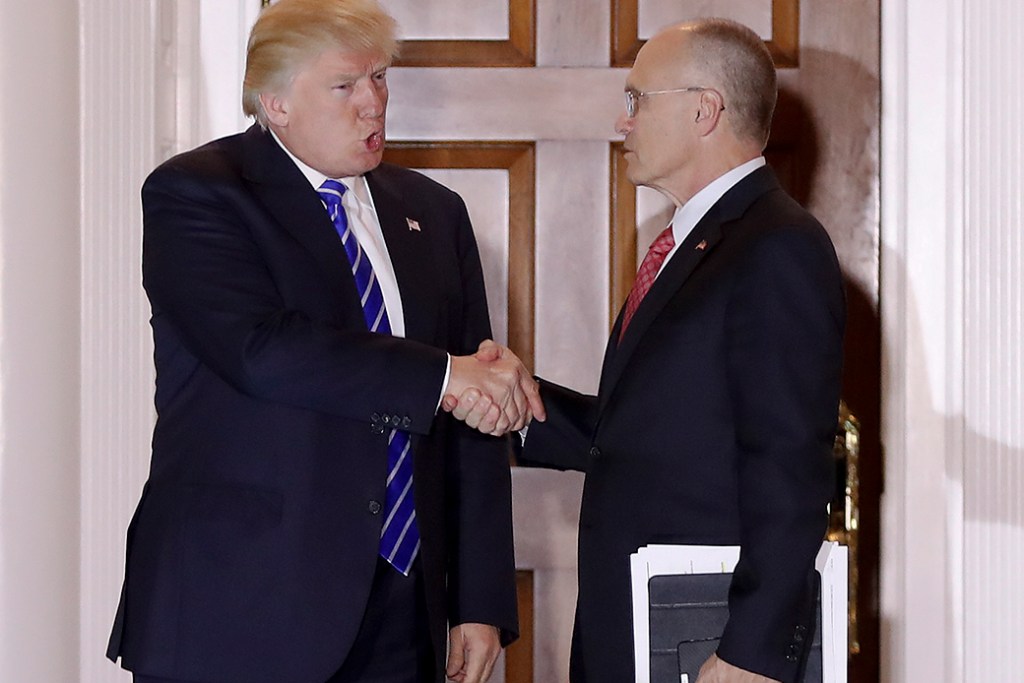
[689,214]
[357,184]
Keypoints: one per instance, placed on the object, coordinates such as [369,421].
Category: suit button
[406,422]
[376,426]
[374,507]
[595,452]
[395,420]
[385,418]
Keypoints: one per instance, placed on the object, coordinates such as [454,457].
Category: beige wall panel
[546,509]
[450,19]
[41,177]
[504,104]
[485,192]
[653,14]
[572,262]
[573,33]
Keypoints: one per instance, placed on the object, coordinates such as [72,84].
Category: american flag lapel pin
[413,225]
[703,245]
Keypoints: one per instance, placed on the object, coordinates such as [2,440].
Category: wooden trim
[622,246]
[519,50]
[625,32]
[519,655]
[518,158]
[784,44]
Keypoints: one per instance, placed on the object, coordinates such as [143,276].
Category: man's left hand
[472,651]
[714,670]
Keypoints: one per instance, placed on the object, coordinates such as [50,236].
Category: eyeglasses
[633,97]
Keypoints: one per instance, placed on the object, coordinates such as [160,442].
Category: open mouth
[375,142]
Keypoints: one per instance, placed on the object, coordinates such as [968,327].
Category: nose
[371,98]
[623,124]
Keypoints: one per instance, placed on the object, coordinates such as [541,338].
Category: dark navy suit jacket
[252,551]
[713,424]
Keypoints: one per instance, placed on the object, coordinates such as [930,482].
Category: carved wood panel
[517,158]
[784,43]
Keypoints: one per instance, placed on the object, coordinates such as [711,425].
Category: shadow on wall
[988,472]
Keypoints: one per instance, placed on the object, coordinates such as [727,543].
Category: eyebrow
[355,76]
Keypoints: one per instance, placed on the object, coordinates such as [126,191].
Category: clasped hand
[492,391]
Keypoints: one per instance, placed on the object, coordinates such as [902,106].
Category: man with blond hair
[716,411]
[309,517]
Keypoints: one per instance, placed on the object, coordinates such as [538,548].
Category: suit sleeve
[481,564]
[784,332]
[211,286]
[563,441]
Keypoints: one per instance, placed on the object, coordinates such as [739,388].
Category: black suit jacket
[252,551]
[713,424]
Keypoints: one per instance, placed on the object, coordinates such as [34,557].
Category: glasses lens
[630,103]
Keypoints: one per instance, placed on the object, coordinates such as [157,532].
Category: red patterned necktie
[660,248]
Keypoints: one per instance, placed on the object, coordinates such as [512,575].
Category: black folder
[688,613]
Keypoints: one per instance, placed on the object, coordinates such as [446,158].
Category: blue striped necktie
[400,536]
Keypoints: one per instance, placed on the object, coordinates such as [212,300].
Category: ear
[276,108]
[709,111]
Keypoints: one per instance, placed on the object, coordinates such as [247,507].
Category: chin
[372,162]
[634,175]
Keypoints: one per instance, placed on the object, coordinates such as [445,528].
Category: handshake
[492,391]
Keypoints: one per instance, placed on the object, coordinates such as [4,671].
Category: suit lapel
[696,247]
[296,206]
[409,250]
[669,282]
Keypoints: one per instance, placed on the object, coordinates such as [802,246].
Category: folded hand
[492,391]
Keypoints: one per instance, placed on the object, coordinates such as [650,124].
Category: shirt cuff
[444,385]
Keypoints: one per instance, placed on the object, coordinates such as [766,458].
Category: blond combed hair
[736,58]
[290,33]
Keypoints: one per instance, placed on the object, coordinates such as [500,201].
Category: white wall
[39,332]
[953,314]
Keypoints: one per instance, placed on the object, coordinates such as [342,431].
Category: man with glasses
[716,411]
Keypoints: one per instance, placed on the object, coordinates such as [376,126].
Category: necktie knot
[645,276]
[663,243]
[331,192]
